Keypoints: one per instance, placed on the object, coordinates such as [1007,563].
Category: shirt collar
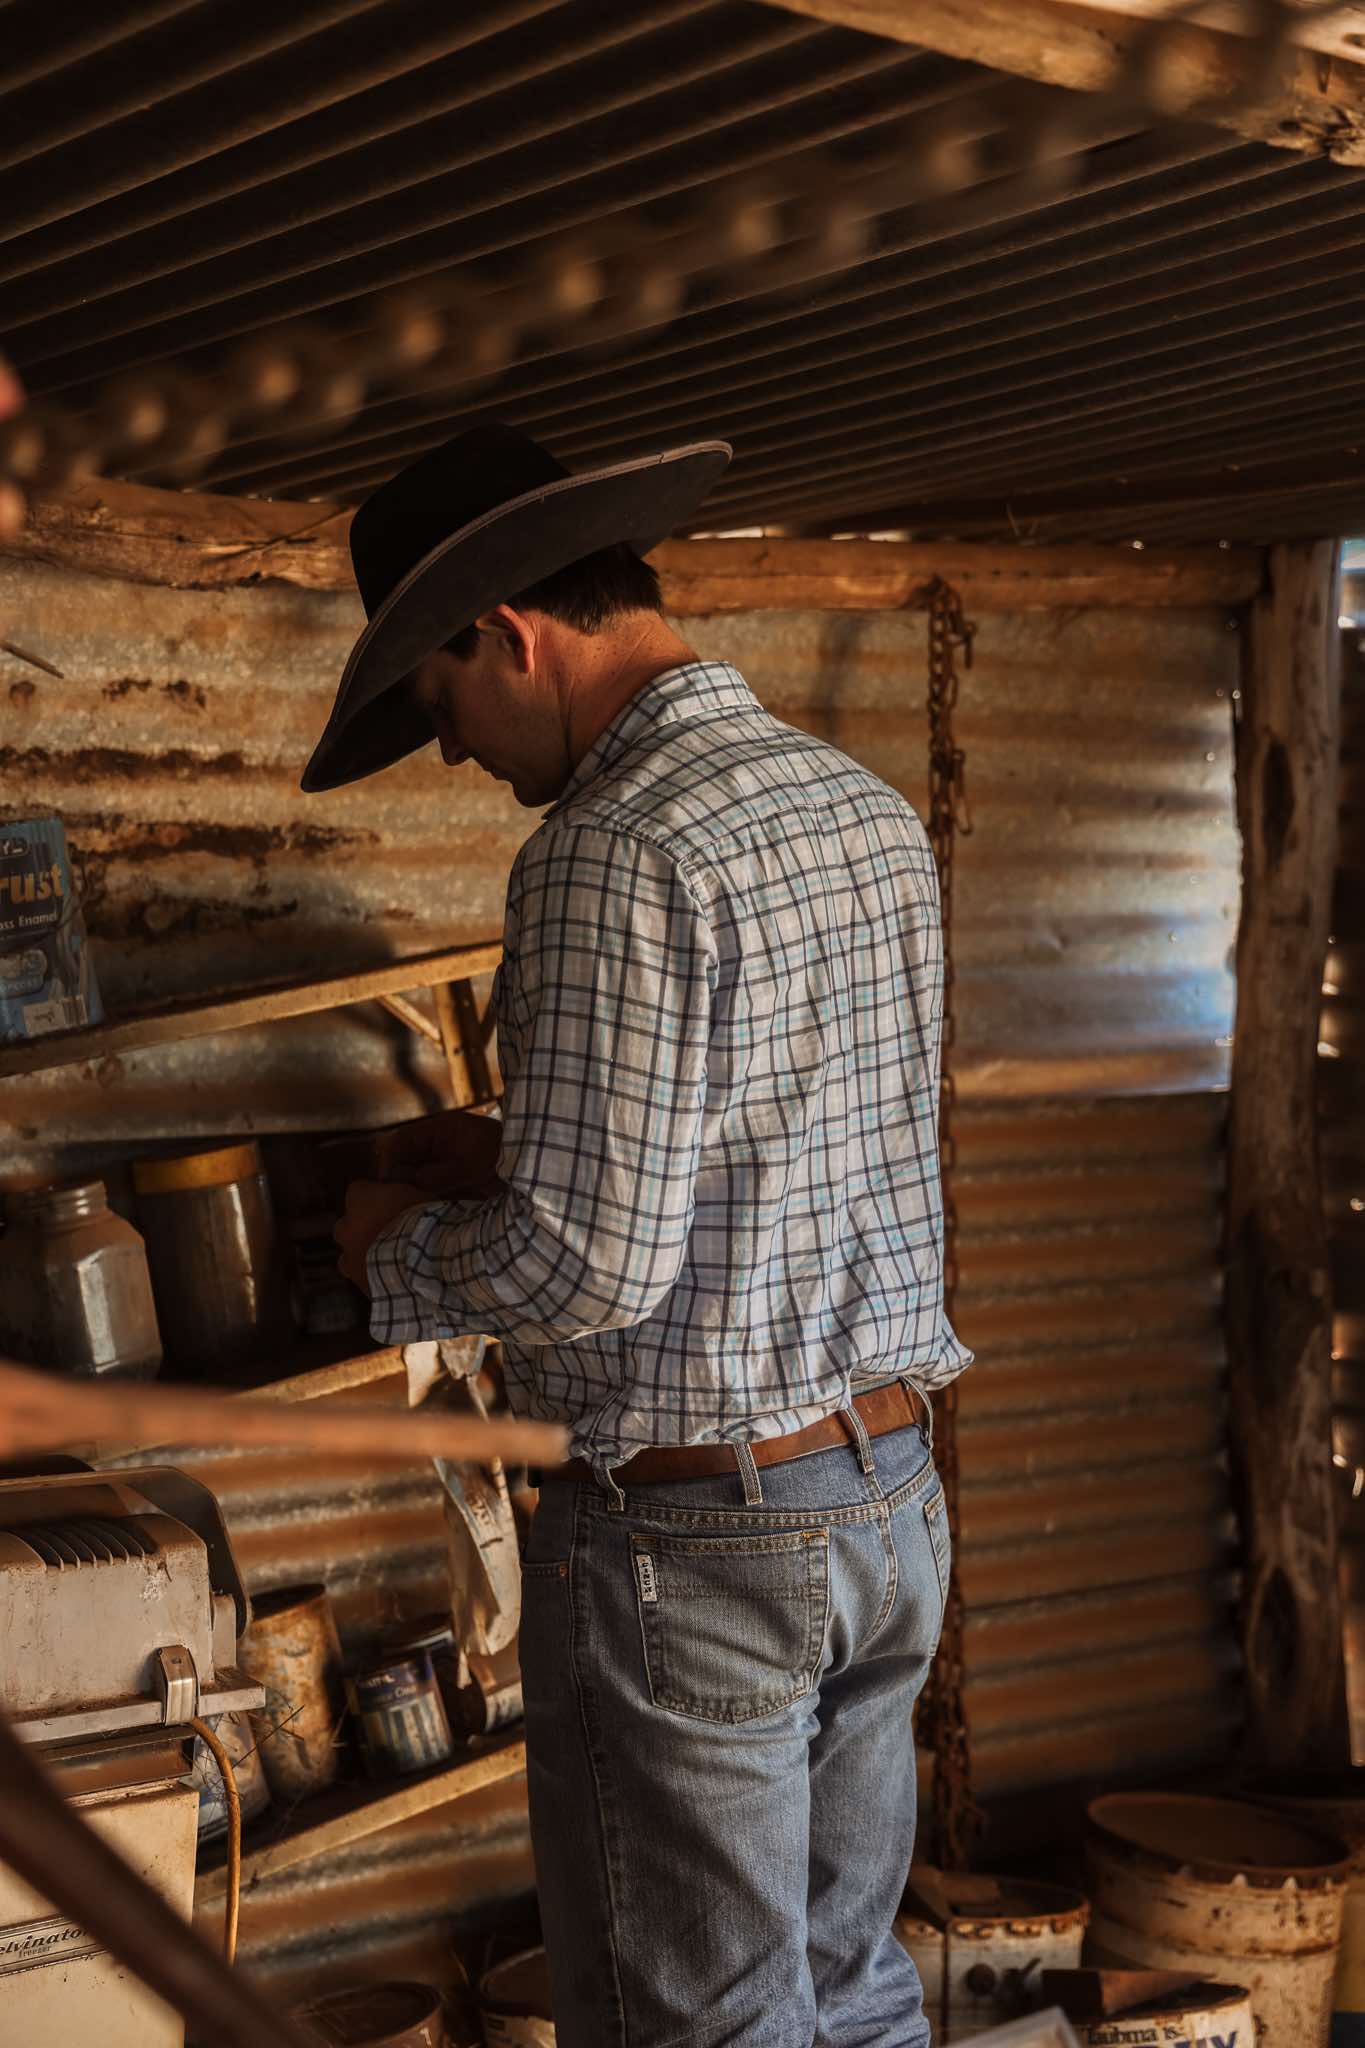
[696,690]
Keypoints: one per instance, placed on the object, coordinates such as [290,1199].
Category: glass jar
[218,1269]
[75,1294]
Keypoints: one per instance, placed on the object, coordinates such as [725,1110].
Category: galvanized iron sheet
[1098,1545]
[1097,894]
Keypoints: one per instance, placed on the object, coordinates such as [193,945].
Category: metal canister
[292,1648]
[235,1733]
[74,1290]
[376,2016]
[514,2002]
[435,1634]
[980,1958]
[1224,1890]
[402,1717]
[219,1273]
[1211,2014]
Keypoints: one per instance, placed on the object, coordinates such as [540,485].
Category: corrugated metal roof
[1182,331]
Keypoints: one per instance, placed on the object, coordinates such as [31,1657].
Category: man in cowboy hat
[711,1245]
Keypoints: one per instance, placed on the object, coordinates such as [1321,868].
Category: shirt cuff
[398,1314]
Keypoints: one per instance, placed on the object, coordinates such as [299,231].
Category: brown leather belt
[881,1411]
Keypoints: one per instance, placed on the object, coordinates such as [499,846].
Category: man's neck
[612,667]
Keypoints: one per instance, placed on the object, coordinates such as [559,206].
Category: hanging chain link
[943,1719]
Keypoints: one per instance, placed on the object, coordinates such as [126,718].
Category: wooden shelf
[353,1812]
[201,1017]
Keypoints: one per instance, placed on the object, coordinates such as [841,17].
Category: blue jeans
[721,1764]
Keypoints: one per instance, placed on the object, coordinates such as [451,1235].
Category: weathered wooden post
[1278,1294]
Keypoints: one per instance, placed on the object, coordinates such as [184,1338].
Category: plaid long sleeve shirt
[718,1024]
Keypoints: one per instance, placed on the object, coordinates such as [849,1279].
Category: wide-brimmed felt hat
[466,527]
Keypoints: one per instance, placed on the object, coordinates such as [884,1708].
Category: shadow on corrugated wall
[1097,916]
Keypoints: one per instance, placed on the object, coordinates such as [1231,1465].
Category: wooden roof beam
[1316,104]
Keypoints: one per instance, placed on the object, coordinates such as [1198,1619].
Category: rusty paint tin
[514,2002]
[376,2016]
[979,1960]
[401,1714]
[293,1650]
[1212,2015]
[1224,1889]
[435,1634]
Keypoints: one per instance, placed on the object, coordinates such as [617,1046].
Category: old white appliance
[120,1609]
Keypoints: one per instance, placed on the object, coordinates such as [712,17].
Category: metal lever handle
[177,1683]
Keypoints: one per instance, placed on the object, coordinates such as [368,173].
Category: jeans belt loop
[748,1472]
[857,1429]
[926,1407]
[606,1479]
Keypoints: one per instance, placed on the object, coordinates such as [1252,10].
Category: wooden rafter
[1317,105]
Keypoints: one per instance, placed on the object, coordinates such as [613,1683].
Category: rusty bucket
[292,1649]
[981,1944]
[1227,1889]
[376,2016]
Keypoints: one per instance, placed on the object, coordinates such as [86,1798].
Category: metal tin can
[292,1648]
[253,1794]
[218,1271]
[377,2016]
[47,978]
[402,1718]
[435,1634]
[1218,1887]
[74,1290]
[1208,2014]
[514,2002]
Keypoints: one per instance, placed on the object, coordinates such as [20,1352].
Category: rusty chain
[943,1719]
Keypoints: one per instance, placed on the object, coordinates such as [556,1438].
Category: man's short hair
[587,595]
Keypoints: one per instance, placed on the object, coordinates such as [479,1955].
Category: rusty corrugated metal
[1098,1546]
[1096,906]
[415,1902]
[1167,337]
[1097,895]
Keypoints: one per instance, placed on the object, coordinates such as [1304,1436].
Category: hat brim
[530,537]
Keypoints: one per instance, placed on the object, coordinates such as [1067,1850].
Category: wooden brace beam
[197,542]
[1318,105]
[1278,1293]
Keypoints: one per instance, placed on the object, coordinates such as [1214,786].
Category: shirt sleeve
[606,997]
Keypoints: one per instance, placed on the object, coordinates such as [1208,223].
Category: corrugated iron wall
[1097,893]
[1097,913]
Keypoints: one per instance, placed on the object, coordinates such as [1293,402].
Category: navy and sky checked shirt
[718,1026]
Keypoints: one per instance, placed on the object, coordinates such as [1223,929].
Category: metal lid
[432,1632]
[1221,1839]
[212,1169]
[55,1202]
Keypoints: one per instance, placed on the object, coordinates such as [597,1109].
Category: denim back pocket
[733,1626]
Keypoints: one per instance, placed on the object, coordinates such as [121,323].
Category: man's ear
[517,633]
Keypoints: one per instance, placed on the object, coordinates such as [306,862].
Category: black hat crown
[435,496]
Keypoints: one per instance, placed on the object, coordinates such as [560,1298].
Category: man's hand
[454,1153]
[371,1206]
